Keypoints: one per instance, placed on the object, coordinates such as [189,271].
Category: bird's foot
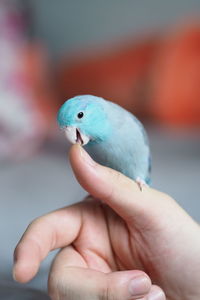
[141,183]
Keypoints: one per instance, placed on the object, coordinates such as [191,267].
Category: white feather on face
[74,135]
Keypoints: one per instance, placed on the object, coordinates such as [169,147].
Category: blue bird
[110,134]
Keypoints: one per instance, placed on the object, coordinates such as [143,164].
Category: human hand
[106,244]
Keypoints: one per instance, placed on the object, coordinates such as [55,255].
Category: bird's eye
[80,115]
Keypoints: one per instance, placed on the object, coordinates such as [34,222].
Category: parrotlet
[110,134]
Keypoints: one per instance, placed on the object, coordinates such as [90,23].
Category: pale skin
[130,245]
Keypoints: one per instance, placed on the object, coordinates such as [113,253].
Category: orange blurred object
[176,79]
[118,75]
[158,78]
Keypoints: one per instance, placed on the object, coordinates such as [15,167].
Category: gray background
[45,182]
[67,25]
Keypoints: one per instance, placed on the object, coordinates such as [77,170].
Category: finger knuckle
[34,222]
[107,293]
[53,289]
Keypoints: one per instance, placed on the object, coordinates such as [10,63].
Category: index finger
[54,230]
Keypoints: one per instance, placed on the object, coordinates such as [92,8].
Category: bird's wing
[135,140]
[146,141]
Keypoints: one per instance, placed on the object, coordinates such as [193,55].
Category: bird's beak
[74,135]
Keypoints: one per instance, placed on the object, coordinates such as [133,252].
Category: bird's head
[84,119]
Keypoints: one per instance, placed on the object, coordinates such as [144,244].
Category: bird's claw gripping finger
[141,183]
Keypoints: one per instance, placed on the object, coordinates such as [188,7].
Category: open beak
[79,139]
[75,136]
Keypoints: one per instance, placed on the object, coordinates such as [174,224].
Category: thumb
[70,279]
[118,191]
[84,284]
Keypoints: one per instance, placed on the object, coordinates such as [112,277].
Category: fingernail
[156,295]
[139,286]
[86,157]
[15,257]
[13,273]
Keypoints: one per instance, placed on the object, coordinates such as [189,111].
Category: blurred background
[143,55]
